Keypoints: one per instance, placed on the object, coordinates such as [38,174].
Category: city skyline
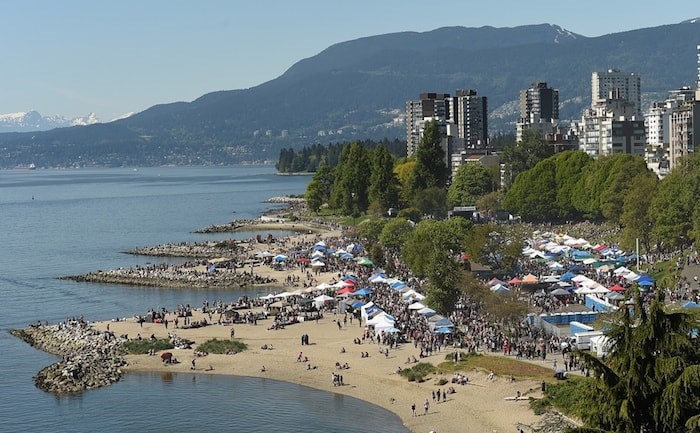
[79,57]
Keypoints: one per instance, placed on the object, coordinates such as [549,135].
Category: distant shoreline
[297,173]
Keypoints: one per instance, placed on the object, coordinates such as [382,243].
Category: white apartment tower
[627,84]
[614,123]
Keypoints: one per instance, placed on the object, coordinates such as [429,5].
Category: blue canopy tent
[357,304]
[443,330]
[691,304]
[645,277]
[444,323]
[364,291]
[567,276]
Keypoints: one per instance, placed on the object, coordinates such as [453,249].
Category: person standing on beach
[426,406]
[413,409]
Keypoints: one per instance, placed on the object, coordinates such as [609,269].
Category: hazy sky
[73,57]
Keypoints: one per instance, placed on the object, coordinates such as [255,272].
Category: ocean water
[65,222]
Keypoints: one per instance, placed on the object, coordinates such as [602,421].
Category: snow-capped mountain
[34,121]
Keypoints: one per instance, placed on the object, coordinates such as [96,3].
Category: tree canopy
[471,182]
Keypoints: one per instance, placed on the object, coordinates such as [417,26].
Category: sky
[75,57]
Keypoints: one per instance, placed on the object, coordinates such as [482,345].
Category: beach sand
[477,407]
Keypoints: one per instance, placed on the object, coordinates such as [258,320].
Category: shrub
[221,346]
[142,347]
[442,381]
[418,372]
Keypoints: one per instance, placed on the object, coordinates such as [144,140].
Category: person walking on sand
[426,406]
[413,409]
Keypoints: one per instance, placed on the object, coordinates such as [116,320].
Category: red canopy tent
[346,290]
[515,280]
[617,288]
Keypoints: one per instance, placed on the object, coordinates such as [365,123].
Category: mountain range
[32,121]
[358,89]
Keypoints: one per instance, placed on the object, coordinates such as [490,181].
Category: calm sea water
[63,222]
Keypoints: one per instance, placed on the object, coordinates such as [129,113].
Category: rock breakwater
[91,359]
[177,276]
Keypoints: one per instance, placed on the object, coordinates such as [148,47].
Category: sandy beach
[476,407]
[479,406]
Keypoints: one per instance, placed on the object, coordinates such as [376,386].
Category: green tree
[490,203]
[636,218]
[395,233]
[430,170]
[650,380]
[370,229]
[523,156]
[430,236]
[471,182]
[624,169]
[672,211]
[496,246]
[318,191]
[352,180]
[431,201]
[570,167]
[442,289]
[383,187]
[533,193]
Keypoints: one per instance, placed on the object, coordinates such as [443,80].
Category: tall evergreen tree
[318,191]
[650,380]
[350,190]
[430,170]
[383,188]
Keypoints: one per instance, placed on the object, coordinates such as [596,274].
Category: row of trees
[309,159]
[374,180]
[620,189]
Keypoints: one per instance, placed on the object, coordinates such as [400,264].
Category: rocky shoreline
[91,359]
[203,250]
[174,280]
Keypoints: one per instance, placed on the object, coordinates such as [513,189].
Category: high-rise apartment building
[471,118]
[462,119]
[430,106]
[614,123]
[627,84]
[539,110]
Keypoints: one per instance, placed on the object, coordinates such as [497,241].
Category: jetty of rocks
[91,359]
